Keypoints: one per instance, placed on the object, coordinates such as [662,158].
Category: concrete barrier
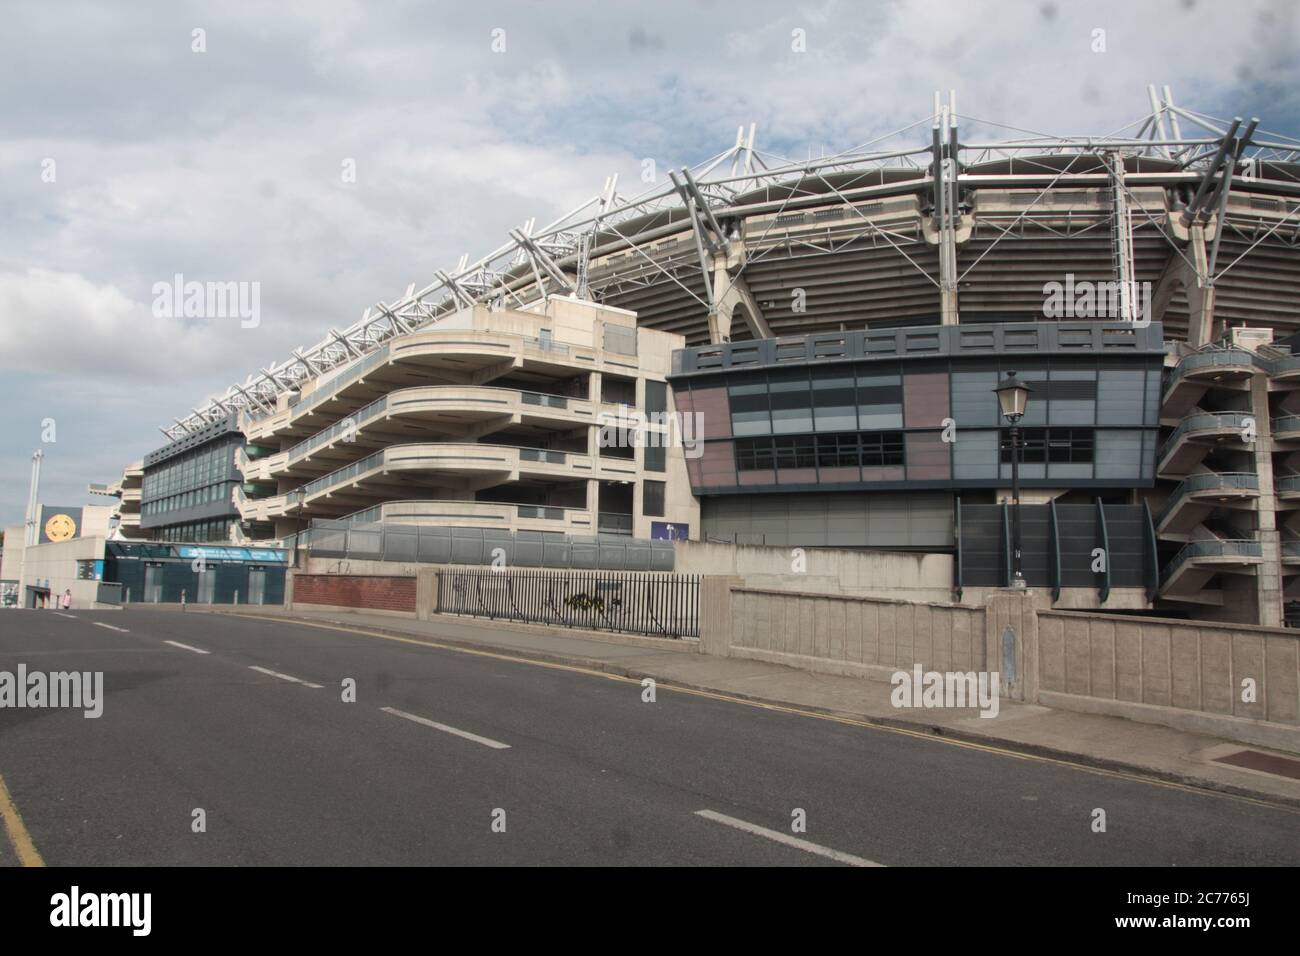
[840,634]
[1234,681]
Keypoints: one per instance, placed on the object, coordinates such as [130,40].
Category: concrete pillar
[716,613]
[1011,640]
[1200,295]
[288,588]
[426,592]
[729,291]
[1269,573]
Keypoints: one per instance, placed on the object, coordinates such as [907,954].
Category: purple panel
[758,477]
[885,473]
[714,410]
[716,468]
[839,474]
[797,476]
[927,456]
[925,399]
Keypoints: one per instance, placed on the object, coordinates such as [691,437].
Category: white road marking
[288,677]
[196,650]
[111,627]
[785,838]
[485,741]
[61,614]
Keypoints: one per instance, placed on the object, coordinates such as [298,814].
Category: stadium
[837,327]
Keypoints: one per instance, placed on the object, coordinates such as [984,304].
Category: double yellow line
[28,855]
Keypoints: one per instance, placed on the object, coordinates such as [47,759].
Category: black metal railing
[659,605]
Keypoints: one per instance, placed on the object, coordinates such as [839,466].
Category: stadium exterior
[817,342]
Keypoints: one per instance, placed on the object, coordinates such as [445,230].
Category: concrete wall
[885,574]
[1181,674]
[1139,667]
[853,635]
[57,563]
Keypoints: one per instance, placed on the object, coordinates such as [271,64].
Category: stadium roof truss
[747,225]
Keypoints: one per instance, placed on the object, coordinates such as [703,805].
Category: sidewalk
[1109,743]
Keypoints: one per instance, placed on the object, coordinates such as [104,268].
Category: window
[754,454]
[833,400]
[749,406]
[791,398]
[1056,445]
[795,452]
[837,451]
[656,398]
[654,457]
[652,499]
[882,448]
[843,450]
[880,401]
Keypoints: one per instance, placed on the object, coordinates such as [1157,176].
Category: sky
[335,152]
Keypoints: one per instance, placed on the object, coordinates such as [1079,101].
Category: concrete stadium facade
[827,321]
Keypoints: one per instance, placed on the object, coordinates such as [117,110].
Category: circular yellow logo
[61,527]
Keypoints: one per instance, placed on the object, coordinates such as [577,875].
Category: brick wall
[375,592]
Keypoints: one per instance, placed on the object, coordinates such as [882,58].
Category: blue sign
[669,531]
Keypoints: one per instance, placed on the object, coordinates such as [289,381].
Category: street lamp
[1013,398]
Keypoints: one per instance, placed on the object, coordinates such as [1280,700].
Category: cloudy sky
[227,164]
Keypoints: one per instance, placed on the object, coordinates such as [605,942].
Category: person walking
[66,601]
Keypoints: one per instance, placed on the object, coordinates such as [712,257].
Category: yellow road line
[798,711]
[18,835]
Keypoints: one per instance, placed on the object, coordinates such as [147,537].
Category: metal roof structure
[890,232]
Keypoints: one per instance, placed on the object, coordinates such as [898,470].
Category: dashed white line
[111,627]
[288,677]
[485,741]
[186,647]
[778,837]
[70,616]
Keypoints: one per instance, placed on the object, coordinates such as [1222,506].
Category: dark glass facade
[919,411]
[187,487]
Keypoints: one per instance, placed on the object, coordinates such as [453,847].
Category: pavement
[471,743]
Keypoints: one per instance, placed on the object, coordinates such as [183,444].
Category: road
[246,720]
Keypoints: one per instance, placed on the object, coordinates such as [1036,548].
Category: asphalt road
[584,771]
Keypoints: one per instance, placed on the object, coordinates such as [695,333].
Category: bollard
[236,597]
[182,599]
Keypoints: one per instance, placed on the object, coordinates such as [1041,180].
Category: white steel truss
[706,204]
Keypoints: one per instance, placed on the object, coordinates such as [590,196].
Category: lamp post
[1013,398]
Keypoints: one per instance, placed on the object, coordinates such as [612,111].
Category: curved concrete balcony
[265,509]
[1287,487]
[1286,430]
[1197,373]
[1193,439]
[480,514]
[386,473]
[465,357]
[1198,495]
[258,469]
[1184,578]
[450,411]
[131,496]
[1285,370]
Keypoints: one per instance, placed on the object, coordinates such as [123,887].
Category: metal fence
[431,544]
[660,605]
